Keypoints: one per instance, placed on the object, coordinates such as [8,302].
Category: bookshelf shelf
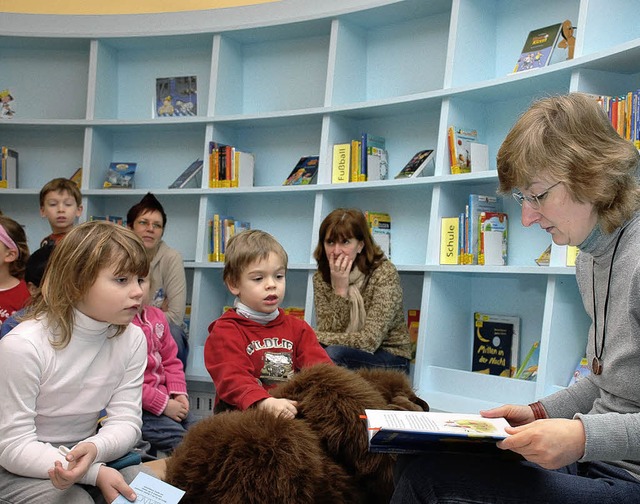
[282,82]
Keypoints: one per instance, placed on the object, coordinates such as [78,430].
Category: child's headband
[6,239]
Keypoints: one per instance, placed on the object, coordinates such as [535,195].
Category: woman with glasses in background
[576,178]
[168,283]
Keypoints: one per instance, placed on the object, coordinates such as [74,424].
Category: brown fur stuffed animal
[321,456]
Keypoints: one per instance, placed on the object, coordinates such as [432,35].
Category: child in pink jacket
[165,404]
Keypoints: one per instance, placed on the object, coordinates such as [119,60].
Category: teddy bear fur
[321,456]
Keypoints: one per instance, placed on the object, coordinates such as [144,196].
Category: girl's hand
[182,399]
[79,461]
[514,414]
[340,267]
[112,484]
[176,410]
[551,443]
[279,407]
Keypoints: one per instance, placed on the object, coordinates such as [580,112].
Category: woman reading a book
[168,287]
[358,297]
[575,177]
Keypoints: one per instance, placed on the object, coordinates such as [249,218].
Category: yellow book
[210,254]
[449,240]
[572,253]
[355,158]
[217,235]
[340,170]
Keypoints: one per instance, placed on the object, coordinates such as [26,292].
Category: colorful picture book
[459,148]
[76,177]
[304,172]
[496,339]
[7,104]
[492,239]
[177,96]
[538,48]
[189,178]
[120,175]
[391,431]
[582,369]
[380,227]
[418,165]
[219,230]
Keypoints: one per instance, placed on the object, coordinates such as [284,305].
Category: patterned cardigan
[385,326]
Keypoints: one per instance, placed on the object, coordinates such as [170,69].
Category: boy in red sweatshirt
[254,346]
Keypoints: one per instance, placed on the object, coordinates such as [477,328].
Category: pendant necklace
[597,364]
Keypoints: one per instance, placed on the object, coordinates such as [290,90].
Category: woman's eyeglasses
[145,223]
[534,201]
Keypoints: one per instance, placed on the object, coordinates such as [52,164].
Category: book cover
[582,369]
[177,96]
[417,165]
[391,431]
[243,167]
[76,177]
[449,235]
[380,226]
[7,104]
[413,324]
[304,172]
[191,177]
[377,164]
[9,168]
[492,246]
[528,369]
[495,344]
[478,203]
[538,48]
[460,150]
[120,175]
[341,167]
[355,160]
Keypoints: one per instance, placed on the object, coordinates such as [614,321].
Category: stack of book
[220,229]
[360,160]
[229,167]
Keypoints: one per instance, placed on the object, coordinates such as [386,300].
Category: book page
[455,424]
[150,490]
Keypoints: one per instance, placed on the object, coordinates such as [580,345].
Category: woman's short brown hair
[570,139]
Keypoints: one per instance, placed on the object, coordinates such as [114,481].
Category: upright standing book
[495,344]
[340,169]
[380,227]
[391,431]
[449,236]
[460,149]
[176,96]
[493,239]
[538,48]
[9,169]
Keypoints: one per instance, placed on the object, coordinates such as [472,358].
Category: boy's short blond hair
[61,184]
[246,247]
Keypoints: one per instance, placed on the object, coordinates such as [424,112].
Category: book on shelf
[493,234]
[459,140]
[538,47]
[76,177]
[220,229]
[377,163]
[120,175]
[191,177]
[295,311]
[9,168]
[624,114]
[243,169]
[545,257]
[391,431]
[341,166]
[496,339]
[413,324]
[478,203]
[582,369]
[176,96]
[7,104]
[304,172]
[229,167]
[371,146]
[572,254]
[380,227]
[449,236]
[418,166]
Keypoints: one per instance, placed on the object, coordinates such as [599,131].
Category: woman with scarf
[358,298]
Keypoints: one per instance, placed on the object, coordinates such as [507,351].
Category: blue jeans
[162,432]
[354,358]
[183,343]
[478,479]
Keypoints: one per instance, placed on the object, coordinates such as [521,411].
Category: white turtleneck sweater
[51,397]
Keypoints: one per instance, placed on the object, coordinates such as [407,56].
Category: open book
[419,431]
